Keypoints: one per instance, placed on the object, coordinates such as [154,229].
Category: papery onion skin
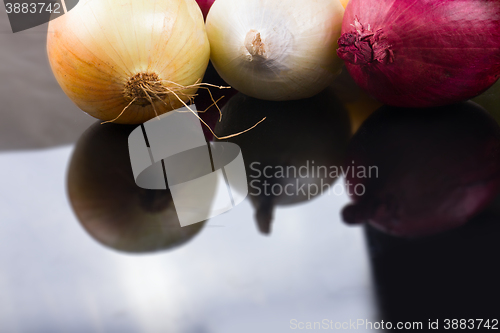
[275,50]
[422,53]
[101,45]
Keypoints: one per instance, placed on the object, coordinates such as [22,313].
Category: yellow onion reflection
[110,206]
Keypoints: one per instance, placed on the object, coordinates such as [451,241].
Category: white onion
[275,49]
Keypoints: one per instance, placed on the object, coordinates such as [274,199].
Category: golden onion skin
[96,49]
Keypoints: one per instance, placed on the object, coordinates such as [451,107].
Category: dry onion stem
[143,87]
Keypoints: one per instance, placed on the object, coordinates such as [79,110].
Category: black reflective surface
[448,276]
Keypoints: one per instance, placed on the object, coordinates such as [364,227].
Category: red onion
[422,53]
[417,172]
[205,6]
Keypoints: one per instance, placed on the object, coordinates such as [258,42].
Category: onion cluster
[127,61]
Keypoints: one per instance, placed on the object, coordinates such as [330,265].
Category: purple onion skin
[437,167]
[422,53]
[205,6]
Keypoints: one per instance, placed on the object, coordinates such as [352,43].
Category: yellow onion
[128,60]
[274,49]
[355,100]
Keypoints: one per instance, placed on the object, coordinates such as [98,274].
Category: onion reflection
[288,157]
[110,206]
[436,168]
